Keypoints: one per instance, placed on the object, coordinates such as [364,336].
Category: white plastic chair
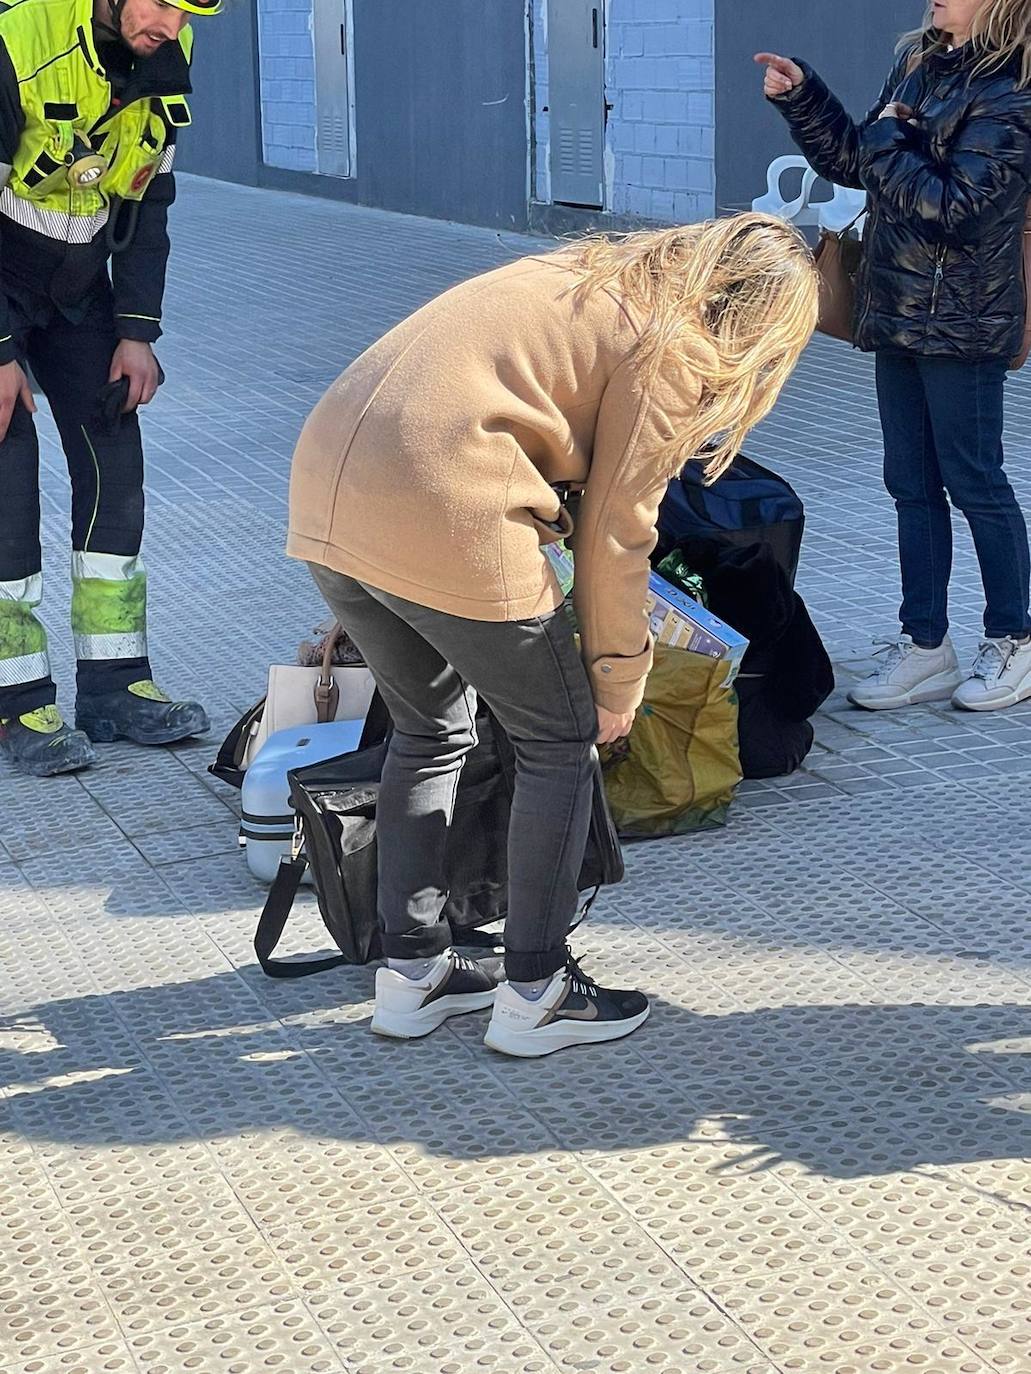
[834,214]
[843,207]
[798,211]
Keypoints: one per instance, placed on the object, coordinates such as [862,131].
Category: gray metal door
[332,94]
[576,100]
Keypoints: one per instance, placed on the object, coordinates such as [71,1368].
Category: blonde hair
[1001,31]
[734,301]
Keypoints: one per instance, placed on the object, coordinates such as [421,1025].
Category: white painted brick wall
[287,73]
[660,80]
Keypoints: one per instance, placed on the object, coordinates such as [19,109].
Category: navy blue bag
[747,505]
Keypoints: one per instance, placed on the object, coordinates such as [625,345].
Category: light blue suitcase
[267,825]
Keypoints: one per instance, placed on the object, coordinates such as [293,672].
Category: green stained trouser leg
[23,640]
[109,606]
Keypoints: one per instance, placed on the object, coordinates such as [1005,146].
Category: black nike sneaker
[573,1010]
[407,1008]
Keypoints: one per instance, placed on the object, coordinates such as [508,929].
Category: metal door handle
[594,26]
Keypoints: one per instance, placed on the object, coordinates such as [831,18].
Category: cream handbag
[296,696]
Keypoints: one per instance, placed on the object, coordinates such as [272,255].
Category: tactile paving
[109,1357]
[282,1337]
[812,1158]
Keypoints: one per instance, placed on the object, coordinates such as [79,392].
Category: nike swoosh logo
[588,1013]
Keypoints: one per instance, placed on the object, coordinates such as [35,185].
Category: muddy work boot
[141,713]
[40,744]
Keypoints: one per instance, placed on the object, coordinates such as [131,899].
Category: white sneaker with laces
[1001,676]
[907,675]
[408,1008]
[572,1010]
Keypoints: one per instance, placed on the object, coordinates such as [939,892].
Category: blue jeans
[942,423]
[429,668]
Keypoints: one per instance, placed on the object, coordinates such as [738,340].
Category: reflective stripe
[109,605]
[25,668]
[54,224]
[92,647]
[5,172]
[27,589]
[167,158]
[110,567]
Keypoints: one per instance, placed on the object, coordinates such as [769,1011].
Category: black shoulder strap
[378,723]
[273,919]
[229,757]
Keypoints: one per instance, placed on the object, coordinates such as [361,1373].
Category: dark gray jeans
[429,667]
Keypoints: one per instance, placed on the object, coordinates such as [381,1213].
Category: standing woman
[945,157]
[423,489]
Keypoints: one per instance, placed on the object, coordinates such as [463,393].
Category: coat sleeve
[823,129]
[616,531]
[984,179]
[138,271]
[12,122]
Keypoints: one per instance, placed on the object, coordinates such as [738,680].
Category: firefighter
[92,96]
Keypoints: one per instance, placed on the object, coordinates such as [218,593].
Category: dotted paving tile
[812,1158]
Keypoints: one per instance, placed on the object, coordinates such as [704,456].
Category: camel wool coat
[426,470]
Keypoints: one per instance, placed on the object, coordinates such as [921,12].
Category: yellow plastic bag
[679,767]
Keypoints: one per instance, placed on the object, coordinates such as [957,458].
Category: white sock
[415,969]
[533,992]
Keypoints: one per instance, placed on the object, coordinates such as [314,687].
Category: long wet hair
[1001,31]
[734,301]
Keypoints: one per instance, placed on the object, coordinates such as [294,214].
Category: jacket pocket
[551,531]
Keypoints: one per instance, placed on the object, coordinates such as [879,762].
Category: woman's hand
[896,110]
[782,75]
[612,726]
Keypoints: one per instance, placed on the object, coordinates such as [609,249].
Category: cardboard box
[677,620]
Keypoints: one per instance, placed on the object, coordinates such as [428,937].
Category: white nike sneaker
[408,1008]
[1001,676]
[907,675]
[572,1010]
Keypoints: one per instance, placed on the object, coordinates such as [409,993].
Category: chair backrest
[843,207]
[774,201]
[836,213]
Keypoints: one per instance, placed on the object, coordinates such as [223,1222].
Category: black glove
[109,409]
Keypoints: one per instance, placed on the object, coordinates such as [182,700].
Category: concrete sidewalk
[808,1160]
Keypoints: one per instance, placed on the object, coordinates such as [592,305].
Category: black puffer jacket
[942,270]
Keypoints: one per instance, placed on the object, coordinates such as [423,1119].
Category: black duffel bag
[335,806]
[748,505]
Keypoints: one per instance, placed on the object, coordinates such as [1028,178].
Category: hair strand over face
[733,301]
[1001,31]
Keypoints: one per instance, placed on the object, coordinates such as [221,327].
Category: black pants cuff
[95,677]
[26,697]
[523,966]
[424,942]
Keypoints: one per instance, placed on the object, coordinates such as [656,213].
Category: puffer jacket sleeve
[823,129]
[984,180]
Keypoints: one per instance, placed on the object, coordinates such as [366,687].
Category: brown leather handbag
[1025,348]
[838,256]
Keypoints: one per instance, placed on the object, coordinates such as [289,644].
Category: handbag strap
[327,693]
[272,922]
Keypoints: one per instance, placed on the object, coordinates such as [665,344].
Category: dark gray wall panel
[225,140]
[850,45]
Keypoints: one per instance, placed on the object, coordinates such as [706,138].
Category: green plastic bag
[679,768]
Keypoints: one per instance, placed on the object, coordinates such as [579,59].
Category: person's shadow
[846,1091]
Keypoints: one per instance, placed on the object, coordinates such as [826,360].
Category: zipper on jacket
[939,274]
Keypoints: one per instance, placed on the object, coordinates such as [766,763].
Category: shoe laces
[894,651]
[464,962]
[578,980]
[993,656]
